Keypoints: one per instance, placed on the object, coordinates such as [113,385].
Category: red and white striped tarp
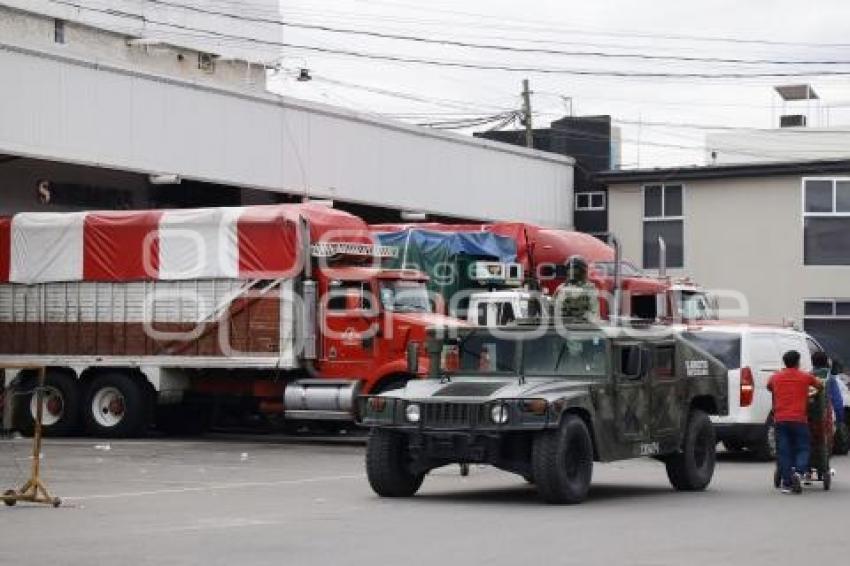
[259,242]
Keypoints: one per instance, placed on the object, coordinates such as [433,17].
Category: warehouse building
[778,232]
[106,105]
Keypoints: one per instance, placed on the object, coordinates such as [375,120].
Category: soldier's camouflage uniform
[577,301]
[820,424]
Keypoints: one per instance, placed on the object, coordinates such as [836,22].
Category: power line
[547,26]
[493,47]
[477,66]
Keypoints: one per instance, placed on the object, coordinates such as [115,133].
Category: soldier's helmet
[576,269]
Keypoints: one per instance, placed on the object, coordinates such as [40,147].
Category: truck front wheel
[386,465]
[693,467]
[562,462]
[115,406]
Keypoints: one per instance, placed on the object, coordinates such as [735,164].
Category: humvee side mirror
[413,358]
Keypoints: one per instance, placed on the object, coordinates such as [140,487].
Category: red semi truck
[165,315]
[543,253]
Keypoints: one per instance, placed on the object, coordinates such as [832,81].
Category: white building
[779,145]
[777,233]
[95,112]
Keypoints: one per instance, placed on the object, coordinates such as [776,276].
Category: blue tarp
[417,243]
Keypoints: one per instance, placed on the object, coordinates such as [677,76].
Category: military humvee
[546,403]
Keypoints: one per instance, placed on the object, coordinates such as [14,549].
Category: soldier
[577,298]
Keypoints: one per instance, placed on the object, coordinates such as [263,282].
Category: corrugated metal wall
[59,108]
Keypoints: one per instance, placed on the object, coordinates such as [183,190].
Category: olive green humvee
[546,403]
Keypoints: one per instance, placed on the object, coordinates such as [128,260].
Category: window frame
[59,31]
[828,300]
[834,214]
[663,218]
[590,207]
[806,215]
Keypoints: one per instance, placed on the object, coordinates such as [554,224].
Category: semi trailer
[171,316]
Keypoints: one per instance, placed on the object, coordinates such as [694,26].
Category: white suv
[752,354]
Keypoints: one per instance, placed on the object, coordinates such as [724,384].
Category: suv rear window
[725,346]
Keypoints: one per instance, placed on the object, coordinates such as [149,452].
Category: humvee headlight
[412,413]
[499,413]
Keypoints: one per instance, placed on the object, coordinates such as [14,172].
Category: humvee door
[631,391]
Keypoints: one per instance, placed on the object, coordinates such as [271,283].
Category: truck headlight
[412,413]
[499,413]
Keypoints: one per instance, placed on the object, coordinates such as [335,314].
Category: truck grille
[449,415]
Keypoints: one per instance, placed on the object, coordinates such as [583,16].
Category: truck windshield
[405,296]
[579,355]
[695,305]
[607,268]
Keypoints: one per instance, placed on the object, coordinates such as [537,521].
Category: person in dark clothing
[821,424]
[790,388]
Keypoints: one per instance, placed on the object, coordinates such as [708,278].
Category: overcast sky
[762,29]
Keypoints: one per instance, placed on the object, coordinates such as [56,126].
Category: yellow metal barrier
[34,490]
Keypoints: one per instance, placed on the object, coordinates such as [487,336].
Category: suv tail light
[748,387]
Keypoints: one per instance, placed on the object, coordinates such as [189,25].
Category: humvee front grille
[449,415]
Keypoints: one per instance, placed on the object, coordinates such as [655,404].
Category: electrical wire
[492,47]
[478,66]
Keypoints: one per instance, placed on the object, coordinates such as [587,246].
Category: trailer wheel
[386,468]
[562,462]
[60,404]
[115,406]
[693,467]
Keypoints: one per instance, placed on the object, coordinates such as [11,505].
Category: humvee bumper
[430,416]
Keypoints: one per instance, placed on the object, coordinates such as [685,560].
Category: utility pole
[526,114]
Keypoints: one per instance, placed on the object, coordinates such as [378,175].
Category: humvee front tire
[386,455]
[562,462]
[693,467]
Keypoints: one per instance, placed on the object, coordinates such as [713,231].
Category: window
[59,31]
[482,314]
[828,321]
[826,221]
[725,346]
[350,295]
[506,314]
[590,201]
[663,217]
[665,357]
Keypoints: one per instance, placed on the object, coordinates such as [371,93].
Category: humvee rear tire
[386,455]
[562,462]
[693,467]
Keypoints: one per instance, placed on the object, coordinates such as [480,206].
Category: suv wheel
[386,465]
[693,467]
[765,449]
[562,462]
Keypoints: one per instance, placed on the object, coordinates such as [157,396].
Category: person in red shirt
[790,388]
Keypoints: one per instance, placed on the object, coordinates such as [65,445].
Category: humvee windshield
[551,355]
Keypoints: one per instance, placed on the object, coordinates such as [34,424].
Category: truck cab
[365,319]
[545,403]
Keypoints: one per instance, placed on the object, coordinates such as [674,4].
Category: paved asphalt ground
[242,500]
